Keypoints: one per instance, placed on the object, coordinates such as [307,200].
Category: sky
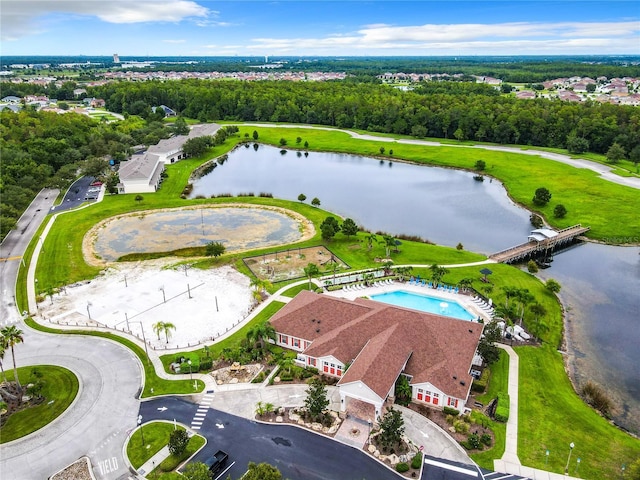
[324,27]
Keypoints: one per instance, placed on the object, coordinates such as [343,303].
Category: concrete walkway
[510,463]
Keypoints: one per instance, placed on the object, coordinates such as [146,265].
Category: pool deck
[462,299]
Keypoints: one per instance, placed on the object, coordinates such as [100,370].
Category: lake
[600,283]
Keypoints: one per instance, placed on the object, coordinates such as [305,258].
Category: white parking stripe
[453,468]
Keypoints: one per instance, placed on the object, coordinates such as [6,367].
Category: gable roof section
[380,362]
[140,167]
[379,338]
[310,316]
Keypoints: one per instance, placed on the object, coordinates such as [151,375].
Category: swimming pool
[425,303]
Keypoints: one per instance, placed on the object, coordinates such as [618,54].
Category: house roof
[380,338]
[139,167]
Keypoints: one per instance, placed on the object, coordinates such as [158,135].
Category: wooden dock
[533,248]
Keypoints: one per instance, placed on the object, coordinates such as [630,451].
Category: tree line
[446,110]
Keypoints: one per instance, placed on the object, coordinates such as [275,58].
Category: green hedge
[502,409]
[416,461]
[451,411]
[205,364]
[480,385]
[402,467]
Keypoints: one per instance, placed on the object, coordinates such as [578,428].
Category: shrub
[480,385]
[485,439]
[402,467]
[474,442]
[595,396]
[178,440]
[205,364]
[461,426]
[502,409]
[259,378]
[184,367]
[451,411]
[416,461]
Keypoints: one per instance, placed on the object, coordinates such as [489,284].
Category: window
[452,402]
[284,339]
[311,361]
[420,394]
[435,398]
[296,342]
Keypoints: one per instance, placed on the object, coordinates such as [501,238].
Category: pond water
[164,231]
[600,283]
[445,206]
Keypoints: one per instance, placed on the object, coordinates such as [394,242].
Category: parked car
[217,462]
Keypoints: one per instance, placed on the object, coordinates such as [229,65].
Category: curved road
[100,418]
[109,375]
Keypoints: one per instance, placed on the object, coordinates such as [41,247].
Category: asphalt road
[75,195]
[298,454]
[99,420]
[13,248]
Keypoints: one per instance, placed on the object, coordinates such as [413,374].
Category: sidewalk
[510,463]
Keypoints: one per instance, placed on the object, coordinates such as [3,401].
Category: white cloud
[22,18]
[470,39]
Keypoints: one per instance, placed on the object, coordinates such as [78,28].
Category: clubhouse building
[367,345]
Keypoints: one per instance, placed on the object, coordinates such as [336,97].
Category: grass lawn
[159,385]
[156,435]
[551,416]
[230,342]
[59,390]
[293,291]
[498,382]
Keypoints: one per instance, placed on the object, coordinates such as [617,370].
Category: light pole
[88,311]
[566,468]
[141,430]
[164,298]
[144,340]
[546,458]
[190,374]
[578,465]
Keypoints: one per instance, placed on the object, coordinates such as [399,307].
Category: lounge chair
[430,285]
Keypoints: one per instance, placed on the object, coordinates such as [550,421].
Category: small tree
[349,227]
[532,266]
[391,428]
[262,471]
[615,153]
[180,126]
[553,286]
[536,220]
[302,197]
[298,140]
[317,400]
[480,165]
[486,347]
[576,144]
[178,441]
[196,471]
[542,196]
[255,135]
[390,154]
[559,211]
[381,150]
[315,202]
[214,249]
[459,247]
[283,142]
[306,144]
[329,227]
[139,198]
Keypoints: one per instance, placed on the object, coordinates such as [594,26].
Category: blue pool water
[424,303]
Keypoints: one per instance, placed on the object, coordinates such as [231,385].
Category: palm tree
[465,283]
[261,333]
[403,389]
[310,271]
[3,347]
[259,288]
[11,336]
[538,311]
[167,327]
[158,328]
[370,239]
[437,272]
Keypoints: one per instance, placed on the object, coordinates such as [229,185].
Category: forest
[40,149]
[454,111]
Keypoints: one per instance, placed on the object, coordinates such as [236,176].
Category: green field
[608,208]
[551,416]
[59,390]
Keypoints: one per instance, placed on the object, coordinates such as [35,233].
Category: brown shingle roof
[380,338]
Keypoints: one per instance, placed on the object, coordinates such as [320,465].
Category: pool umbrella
[485,272]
